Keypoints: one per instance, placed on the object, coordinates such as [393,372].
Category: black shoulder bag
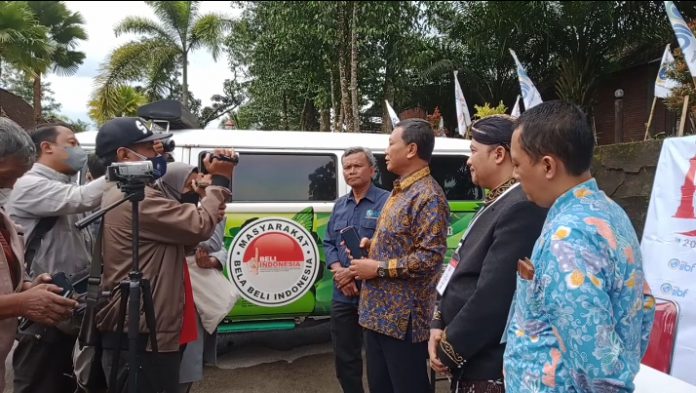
[45,224]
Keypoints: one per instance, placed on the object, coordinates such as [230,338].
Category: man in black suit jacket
[478,285]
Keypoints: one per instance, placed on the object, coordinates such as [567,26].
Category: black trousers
[159,372]
[396,366]
[347,338]
[44,365]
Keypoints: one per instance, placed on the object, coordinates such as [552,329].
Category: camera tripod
[131,291]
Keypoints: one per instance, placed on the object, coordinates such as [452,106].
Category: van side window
[450,172]
[285,177]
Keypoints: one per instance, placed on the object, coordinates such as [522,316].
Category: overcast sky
[205,75]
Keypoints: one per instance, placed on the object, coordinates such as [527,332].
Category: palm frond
[143,26]
[66,62]
[21,38]
[209,31]
[159,71]
[69,35]
[126,63]
[121,100]
[65,29]
[438,69]
[176,15]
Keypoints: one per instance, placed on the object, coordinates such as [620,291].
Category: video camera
[130,172]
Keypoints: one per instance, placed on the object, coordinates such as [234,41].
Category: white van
[283,192]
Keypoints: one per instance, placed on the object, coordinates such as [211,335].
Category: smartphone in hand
[61,280]
[201,157]
[352,239]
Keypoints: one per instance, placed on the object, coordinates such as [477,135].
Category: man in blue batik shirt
[359,208]
[582,311]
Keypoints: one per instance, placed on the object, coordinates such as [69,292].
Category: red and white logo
[273,261]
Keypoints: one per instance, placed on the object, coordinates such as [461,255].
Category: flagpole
[650,118]
[594,129]
[685,109]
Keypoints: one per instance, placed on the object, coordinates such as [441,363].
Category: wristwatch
[381,272]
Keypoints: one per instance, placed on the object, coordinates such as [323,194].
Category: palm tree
[21,37]
[163,46]
[65,29]
[123,101]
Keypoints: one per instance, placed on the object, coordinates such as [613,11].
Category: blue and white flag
[663,84]
[516,109]
[685,37]
[530,94]
[463,117]
[392,114]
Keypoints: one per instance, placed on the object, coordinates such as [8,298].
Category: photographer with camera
[208,295]
[167,229]
[46,202]
[38,301]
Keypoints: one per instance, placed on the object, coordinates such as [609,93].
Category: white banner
[530,94]
[463,117]
[392,114]
[516,109]
[663,84]
[669,245]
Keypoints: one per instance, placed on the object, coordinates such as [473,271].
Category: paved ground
[297,361]
[287,362]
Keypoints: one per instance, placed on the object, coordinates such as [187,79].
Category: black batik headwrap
[494,130]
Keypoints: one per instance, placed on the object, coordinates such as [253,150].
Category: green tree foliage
[486,110]
[65,30]
[22,39]
[477,38]
[285,49]
[18,83]
[123,101]
[595,38]
[292,54]
[161,49]
[78,125]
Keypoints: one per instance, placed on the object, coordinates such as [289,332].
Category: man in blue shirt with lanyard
[359,208]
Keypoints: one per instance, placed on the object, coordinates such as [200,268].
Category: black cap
[125,132]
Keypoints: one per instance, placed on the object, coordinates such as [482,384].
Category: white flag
[530,94]
[463,117]
[664,85]
[685,37]
[392,114]
[516,109]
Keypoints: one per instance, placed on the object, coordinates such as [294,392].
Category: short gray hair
[15,142]
[358,149]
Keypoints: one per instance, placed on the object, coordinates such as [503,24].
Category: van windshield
[450,172]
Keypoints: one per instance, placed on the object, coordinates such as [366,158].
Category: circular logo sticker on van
[273,261]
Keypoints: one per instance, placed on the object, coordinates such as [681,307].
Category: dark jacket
[363,217]
[474,308]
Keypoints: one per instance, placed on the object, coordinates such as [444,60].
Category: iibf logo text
[676,264]
[673,290]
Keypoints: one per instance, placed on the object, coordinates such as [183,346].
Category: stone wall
[626,172]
